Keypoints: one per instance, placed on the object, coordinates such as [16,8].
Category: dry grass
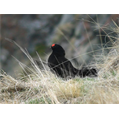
[42,87]
[54,90]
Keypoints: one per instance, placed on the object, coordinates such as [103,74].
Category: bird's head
[58,50]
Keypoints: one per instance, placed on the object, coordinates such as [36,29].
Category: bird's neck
[58,54]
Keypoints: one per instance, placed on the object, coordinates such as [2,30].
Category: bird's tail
[85,71]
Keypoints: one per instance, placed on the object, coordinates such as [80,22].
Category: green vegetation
[40,48]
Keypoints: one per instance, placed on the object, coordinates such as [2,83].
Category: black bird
[63,67]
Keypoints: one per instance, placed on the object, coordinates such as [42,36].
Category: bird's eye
[53,45]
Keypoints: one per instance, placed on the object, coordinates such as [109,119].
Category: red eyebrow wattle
[53,45]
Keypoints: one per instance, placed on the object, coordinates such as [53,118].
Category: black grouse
[62,67]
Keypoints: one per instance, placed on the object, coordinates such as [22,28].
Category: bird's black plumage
[63,67]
